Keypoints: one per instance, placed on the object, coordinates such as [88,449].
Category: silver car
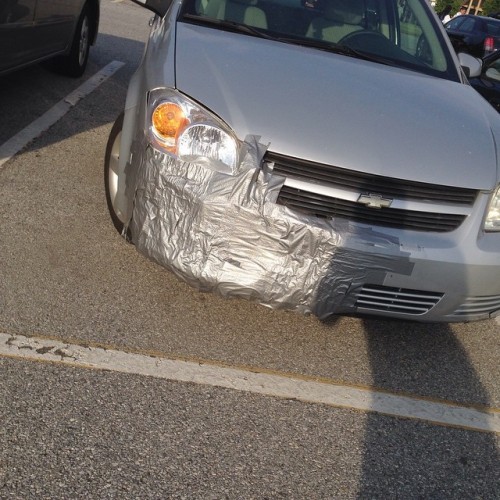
[32,31]
[326,156]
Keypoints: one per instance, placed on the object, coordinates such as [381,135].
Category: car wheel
[75,62]
[111,173]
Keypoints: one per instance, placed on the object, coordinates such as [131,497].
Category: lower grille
[479,305]
[325,206]
[396,300]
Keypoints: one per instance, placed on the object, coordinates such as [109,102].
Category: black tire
[75,62]
[110,159]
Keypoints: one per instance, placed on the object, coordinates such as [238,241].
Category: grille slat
[476,305]
[398,300]
[323,206]
[394,307]
[359,181]
[326,206]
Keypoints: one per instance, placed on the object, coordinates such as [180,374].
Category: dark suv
[476,35]
[36,30]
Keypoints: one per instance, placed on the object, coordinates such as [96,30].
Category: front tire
[111,172]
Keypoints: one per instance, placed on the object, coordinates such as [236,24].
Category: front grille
[479,305]
[368,183]
[325,206]
[396,300]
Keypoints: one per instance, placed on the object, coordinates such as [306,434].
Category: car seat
[240,11]
[340,18]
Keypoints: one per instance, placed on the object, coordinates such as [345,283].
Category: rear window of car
[493,28]
[469,25]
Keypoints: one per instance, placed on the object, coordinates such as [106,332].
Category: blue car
[475,35]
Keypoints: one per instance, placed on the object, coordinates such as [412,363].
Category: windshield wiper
[342,49]
[308,42]
[349,51]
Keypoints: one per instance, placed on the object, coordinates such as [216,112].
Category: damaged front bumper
[225,233]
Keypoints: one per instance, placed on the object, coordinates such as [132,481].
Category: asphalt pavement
[73,432]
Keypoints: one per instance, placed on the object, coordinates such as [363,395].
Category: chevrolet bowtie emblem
[374,201]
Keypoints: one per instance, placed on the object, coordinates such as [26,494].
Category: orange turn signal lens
[168,122]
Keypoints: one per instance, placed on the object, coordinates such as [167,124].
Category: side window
[493,29]
[468,26]
[417,36]
[411,31]
[493,70]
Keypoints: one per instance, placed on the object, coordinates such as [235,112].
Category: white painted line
[16,143]
[282,386]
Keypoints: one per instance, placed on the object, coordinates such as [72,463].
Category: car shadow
[409,458]
[414,459]
[27,94]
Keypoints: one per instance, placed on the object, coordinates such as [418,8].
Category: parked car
[488,82]
[475,35]
[32,31]
[327,157]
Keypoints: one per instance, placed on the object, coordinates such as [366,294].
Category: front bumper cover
[225,233]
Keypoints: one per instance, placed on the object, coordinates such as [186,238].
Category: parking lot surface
[72,431]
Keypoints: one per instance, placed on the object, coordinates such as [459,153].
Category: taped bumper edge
[225,233]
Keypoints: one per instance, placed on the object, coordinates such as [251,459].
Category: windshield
[397,32]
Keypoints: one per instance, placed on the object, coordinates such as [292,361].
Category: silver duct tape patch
[225,233]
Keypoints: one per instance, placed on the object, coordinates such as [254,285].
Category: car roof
[483,20]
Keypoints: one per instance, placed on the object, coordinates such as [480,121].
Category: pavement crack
[63,353]
[44,350]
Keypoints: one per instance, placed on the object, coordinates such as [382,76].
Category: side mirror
[159,7]
[471,65]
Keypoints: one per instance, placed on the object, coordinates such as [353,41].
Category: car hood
[337,110]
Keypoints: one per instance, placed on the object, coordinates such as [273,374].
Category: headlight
[492,222]
[182,128]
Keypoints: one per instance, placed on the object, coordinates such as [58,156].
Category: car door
[55,21]
[17,38]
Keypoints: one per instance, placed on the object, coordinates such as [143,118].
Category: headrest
[345,11]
